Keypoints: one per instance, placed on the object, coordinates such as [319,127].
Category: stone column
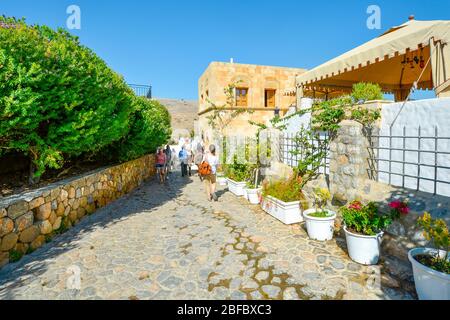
[349,162]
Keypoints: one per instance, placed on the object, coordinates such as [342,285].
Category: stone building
[261,89]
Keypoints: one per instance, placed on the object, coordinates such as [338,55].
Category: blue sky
[170,43]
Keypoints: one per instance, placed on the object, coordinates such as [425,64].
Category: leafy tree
[58,99]
[362,92]
[150,128]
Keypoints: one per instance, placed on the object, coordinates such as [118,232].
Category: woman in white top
[210,180]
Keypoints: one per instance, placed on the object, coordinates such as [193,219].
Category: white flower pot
[363,249]
[253,195]
[286,212]
[222,181]
[237,188]
[319,228]
[430,284]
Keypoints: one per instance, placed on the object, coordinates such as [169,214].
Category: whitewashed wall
[294,125]
[426,114]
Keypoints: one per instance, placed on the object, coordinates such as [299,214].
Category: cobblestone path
[170,243]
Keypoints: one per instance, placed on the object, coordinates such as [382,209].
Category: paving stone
[262,276]
[290,294]
[271,291]
[160,244]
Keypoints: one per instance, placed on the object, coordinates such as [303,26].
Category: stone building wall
[29,219]
[257,79]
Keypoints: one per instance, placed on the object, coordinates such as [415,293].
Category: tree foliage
[58,99]
[150,128]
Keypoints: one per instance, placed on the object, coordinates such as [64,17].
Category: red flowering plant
[364,219]
[398,209]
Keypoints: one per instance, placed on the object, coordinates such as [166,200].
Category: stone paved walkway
[170,243]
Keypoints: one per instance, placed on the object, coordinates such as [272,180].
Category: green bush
[60,101]
[366,91]
[150,128]
[239,172]
[286,191]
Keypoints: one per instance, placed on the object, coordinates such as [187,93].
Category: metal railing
[142,90]
[289,144]
[387,157]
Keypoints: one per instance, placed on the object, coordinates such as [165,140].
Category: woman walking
[210,179]
[160,165]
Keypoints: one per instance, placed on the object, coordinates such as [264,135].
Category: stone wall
[30,219]
[348,162]
[350,179]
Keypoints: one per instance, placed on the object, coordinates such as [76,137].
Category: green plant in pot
[320,221]
[284,200]
[237,176]
[364,227]
[431,266]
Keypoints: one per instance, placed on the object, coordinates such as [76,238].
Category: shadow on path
[147,197]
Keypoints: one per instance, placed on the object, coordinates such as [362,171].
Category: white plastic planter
[320,229]
[222,181]
[253,195]
[286,212]
[363,249]
[430,284]
[237,188]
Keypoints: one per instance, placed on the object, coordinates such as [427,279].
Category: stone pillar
[349,162]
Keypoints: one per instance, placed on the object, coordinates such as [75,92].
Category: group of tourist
[192,153]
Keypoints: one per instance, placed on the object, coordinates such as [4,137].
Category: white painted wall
[427,114]
[294,124]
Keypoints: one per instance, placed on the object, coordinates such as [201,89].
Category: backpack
[204,169]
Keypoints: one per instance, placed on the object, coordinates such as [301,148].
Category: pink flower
[395,204]
[400,206]
[356,205]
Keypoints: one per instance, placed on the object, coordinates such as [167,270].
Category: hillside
[183,112]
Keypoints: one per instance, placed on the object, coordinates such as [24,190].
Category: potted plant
[237,176]
[221,175]
[252,190]
[431,266]
[364,228]
[284,200]
[320,221]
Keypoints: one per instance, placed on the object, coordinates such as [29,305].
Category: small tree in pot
[319,221]
[431,266]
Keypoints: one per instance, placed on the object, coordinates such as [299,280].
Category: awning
[395,60]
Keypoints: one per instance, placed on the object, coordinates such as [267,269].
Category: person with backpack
[207,170]
[198,157]
[183,156]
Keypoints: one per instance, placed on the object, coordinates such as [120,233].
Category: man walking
[168,153]
[183,156]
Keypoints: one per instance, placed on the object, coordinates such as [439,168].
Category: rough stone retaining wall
[30,219]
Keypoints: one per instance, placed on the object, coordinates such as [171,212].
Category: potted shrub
[237,176]
[284,200]
[320,221]
[221,175]
[252,190]
[364,227]
[431,266]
